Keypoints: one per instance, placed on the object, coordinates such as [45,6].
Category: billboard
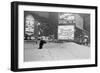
[29,25]
[66,18]
[66,32]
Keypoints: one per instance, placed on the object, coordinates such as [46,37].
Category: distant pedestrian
[85,40]
[42,42]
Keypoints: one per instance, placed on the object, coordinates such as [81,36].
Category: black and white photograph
[53,36]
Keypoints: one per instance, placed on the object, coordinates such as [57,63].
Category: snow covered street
[55,51]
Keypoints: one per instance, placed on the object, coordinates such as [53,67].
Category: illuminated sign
[66,32]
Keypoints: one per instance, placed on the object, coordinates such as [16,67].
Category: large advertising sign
[29,25]
[66,18]
[66,32]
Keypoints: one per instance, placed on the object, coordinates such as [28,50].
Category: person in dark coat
[42,42]
[85,40]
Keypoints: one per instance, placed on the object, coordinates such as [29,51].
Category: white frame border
[22,64]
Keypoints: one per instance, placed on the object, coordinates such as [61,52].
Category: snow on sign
[66,32]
